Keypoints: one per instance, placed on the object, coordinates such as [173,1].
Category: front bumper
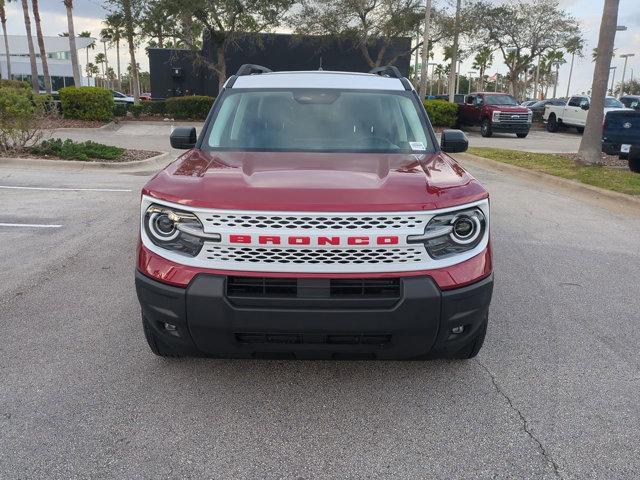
[415,323]
[502,127]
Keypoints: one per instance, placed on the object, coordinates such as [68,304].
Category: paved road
[554,393]
[155,136]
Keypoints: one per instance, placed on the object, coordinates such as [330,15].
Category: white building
[58,59]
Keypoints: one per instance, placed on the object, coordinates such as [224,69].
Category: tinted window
[500,100]
[611,102]
[318,120]
[575,101]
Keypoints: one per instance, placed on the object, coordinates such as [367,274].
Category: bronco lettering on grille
[318,241]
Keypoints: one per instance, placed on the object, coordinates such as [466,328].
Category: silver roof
[319,79]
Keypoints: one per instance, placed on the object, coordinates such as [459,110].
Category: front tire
[634,160]
[522,135]
[552,124]
[485,129]
[580,130]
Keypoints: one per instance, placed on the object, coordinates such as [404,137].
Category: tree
[524,29]
[574,46]
[91,70]
[43,52]
[224,22]
[92,45]
[371,24]
[555,58]
[130,9]
[425,50]
[481,62]
[591,143]
[454,53]
[100,59]
[72,43]
[631,87]
[32,52]
[3,20]
[154,23]
[114,32]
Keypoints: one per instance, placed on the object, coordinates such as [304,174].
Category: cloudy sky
[89,14]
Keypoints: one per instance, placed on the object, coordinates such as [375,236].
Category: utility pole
[425,52]
[458,77]
[454,53]
[624,71]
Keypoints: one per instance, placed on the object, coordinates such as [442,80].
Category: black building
[178,72]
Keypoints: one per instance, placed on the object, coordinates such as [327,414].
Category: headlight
[496,116]
[452,233]
[530,117]
[176,230]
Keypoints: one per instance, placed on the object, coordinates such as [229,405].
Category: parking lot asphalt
[553,394]
[155,136]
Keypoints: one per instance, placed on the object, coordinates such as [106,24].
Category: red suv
[495,112]
[315,216]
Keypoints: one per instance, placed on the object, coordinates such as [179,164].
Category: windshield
[500,100]
[611,102]
[318,120]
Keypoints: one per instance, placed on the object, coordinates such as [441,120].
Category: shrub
[14,84]
[192,108]
[70,150]
[21,118]
[136,110]
[87,103]
[441,113]
[119,109]
[154,107]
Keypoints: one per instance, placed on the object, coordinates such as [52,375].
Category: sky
[88,15]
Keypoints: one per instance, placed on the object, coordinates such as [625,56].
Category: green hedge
[136,110]
[87,103]
[441,113]
[119,109]
[154,107]
[70,150]
[192,108]
[14,84]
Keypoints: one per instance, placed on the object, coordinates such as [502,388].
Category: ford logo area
[627,125]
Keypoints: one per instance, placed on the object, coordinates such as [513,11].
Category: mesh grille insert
[326,222]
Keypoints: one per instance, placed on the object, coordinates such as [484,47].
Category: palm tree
[591,143]
[92,45]
[129,32]
[3,19]
[114,31]
[100,59]
[91,69]
[32,52]
[43,52]
[574,46]
[72,43]
[554,58]
[482,61]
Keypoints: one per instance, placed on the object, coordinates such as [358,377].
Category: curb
[159,161]
[563,182]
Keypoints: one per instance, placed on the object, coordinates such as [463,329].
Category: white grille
[299,256]
[316,222]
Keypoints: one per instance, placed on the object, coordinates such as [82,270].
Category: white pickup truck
[574,113]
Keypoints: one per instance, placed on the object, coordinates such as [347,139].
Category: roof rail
[387,71]
[250,69]
[393,72]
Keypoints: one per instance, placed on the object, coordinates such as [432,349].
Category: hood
[510,108]
[296,181]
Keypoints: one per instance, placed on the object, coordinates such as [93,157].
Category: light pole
[613,78]
[624,71]
[470,73]
[429,79]
[458,77]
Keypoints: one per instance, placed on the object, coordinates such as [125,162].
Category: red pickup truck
[315,216]
[495,113]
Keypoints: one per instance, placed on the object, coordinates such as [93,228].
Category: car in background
[538,107]
[120,97]
[621,136]
[495,112]
[574,113]
[528,103]
[145,97]
[631,101]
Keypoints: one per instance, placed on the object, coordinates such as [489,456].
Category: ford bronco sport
[315,216]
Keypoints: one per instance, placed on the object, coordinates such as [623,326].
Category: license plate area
[625,148]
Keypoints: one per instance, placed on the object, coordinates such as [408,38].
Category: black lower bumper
[418,322]
[511,127]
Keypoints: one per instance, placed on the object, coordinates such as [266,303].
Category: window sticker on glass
[416,145]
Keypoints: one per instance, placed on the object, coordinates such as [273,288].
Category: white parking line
[56,189]
[29,225]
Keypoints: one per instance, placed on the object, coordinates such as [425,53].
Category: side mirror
[183,138]
[479,102]
[635,105]
[454,141]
